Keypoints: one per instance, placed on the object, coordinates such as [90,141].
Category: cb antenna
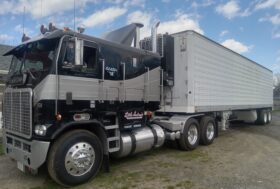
[23,20]
[41,8]
[74,15]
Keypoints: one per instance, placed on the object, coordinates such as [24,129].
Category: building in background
[5,62]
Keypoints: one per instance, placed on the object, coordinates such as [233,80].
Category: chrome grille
[18,111]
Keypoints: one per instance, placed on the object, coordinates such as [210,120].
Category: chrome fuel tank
[140,140]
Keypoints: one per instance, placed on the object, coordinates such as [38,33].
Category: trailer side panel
[218,79]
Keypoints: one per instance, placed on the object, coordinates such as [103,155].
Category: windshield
[34,59]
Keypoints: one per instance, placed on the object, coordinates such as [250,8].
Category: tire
[189,139]
[63,168]
[262,117]
[269,116]
[208,130]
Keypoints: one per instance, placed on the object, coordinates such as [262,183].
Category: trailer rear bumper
[28,154]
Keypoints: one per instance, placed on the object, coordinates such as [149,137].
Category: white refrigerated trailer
[203,77]
[210,77]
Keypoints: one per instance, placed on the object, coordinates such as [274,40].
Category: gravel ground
[243,157]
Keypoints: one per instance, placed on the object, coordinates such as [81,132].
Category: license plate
[20,166]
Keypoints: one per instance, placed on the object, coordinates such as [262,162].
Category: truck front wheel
[75,158]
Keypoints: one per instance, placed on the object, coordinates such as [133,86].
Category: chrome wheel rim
[269,116]
[192,134]
[210,131]
[265,117]
[79,159]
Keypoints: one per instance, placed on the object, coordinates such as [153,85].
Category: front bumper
[31,154]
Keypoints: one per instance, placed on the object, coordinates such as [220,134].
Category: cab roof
[59,33]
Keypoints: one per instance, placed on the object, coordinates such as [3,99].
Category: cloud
[275,20]
[6,6]
[264,4]
[135,3]
[180,22]
[223,33]
[229,10]
[103,17]
[204,3]
[42,8]
[115,1]
[276,66]
[144,18]
[276,35]
[278,57]
[5,38]
[127,3]
[18,28]
[236,46]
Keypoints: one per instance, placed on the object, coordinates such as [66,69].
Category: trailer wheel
[75,158]
[262,117]
[190,137]
[208,130]
[269,116]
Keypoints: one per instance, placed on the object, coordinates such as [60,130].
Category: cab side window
[69,58]
[133,67]
[112,61]
[90,60]
[89,66]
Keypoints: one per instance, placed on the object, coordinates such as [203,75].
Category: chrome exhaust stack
[137,35]
[154,36]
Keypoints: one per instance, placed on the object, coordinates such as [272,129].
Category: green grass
[192,155]
[48,184]
[117,178]
[184,184]
[1,150]
[121,176]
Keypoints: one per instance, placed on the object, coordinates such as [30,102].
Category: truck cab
[64,81]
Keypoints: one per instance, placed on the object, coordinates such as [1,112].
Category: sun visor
[48,35]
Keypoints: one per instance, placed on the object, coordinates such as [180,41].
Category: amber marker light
[58,117]
[149,114]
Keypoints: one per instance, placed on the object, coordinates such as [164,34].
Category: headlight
[40,130]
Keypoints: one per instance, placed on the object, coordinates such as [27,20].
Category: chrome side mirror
[79,51]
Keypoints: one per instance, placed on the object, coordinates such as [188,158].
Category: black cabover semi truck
[72,100]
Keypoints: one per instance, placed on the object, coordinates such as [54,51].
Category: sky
[251,28]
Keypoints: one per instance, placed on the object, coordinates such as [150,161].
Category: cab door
[78,69]
[109,88]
